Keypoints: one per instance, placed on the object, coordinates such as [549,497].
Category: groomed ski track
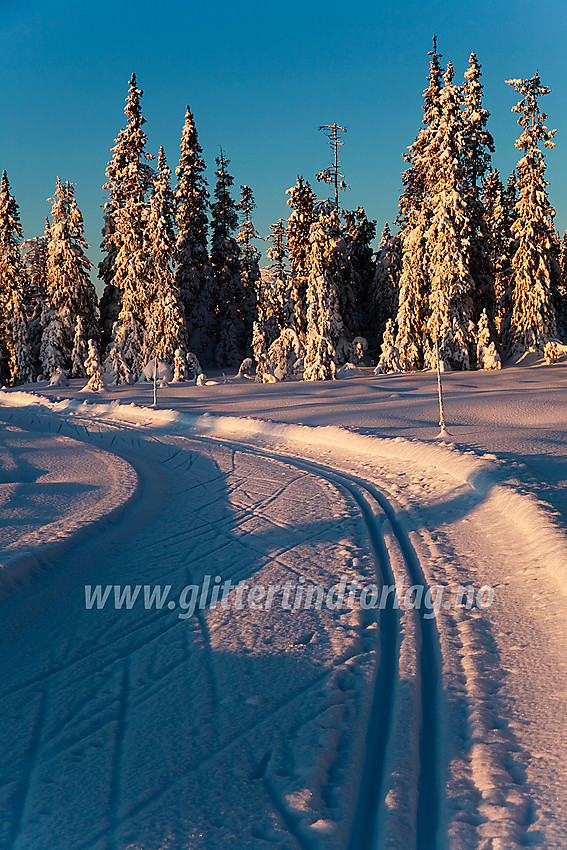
[405,740]
[375,510]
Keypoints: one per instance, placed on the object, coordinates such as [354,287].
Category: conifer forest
[471,272]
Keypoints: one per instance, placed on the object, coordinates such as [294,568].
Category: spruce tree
[193,275]
[274,313]
[164,313]
[301,200]
[414,219]
[70,290]
[533,317]
[383,301]
[325,326]
[498,235]
[34,255]
[93,368]
[16,365]
[477,145]
[450,306]
[359,233]
[129,181]
[249,261]
[225,259]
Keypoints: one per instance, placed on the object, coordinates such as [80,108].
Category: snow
[247,726]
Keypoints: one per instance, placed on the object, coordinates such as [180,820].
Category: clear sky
[260,78]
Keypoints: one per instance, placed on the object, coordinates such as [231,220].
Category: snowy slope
[248,727]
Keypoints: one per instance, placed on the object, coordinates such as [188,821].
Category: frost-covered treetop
[431,109]
[531,119]
[10,227]
[128,177]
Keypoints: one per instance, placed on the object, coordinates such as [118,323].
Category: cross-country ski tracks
[368,831]
[103,731]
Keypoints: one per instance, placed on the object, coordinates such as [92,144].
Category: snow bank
[480,473]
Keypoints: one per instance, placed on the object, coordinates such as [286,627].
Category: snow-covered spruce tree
[225,259]
[414,220]
[260,352]
[302,201]
[498,236]
[450,307]
[129,181]
[34,254]
[193,274]
[324,322]
[389,355]
[533,318]
[487,355]
[93,368]
[16,362]
[561,293]
[383,302]
[285,354]
[164,312]
[54,353]
[273,303]
[358,234]
[109,307]
[477,147]
[249,261]
[80,349]
[70,290]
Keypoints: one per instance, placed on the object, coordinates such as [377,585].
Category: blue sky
[260,79]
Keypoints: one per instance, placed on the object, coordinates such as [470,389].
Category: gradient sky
[260,79]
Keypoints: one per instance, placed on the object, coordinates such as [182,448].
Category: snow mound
[349,370]
[164,373]
[59,379]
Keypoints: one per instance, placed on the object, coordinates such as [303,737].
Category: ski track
[392,542]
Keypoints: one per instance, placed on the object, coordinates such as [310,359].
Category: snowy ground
[253,727]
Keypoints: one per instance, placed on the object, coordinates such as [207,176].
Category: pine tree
[129,181]
[70,290]
[193,275]
[164,315]
[16,365]
[301,200]
[533,317]
[331,174]
[225,260]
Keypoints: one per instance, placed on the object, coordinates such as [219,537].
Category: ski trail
[429,803]
[23,792]
[115,783]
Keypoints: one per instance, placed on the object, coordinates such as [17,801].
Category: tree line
[475,271]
